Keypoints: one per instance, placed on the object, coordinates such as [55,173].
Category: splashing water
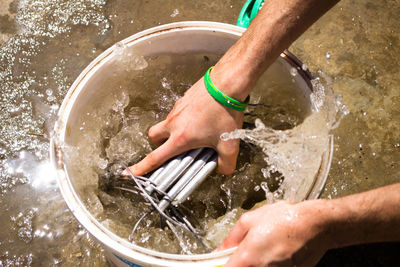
[113,130]
[359,62]
[296,154]
[130,61]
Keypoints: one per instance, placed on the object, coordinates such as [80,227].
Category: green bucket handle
[248,12]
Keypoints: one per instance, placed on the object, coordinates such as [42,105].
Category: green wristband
[221,97]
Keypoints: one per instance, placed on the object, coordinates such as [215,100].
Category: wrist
[232,80]
[365,217]
[337,223]
[221,97]
[321,221]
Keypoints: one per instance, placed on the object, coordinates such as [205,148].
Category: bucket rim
[81,213]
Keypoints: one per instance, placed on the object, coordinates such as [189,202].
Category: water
[364,63]
[296,153]
[114,131]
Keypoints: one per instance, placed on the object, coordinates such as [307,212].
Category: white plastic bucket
[179,38]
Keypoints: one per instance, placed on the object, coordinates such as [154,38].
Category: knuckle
[244,220]
[175,112]
[245,259]
[181,138]
[169,118]
[152,133]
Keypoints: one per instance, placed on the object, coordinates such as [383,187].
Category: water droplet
[328,55]
[175,13]
[165,83]
[264,186]
[293,72]
[102,164]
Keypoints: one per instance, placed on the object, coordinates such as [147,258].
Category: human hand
[197,120]
[280,234]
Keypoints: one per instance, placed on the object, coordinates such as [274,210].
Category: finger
[242,256]
[156,158]
[237,234]
[158,133]
[227,155]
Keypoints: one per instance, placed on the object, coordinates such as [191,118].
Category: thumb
[227,155]
[237,234]
[156,158]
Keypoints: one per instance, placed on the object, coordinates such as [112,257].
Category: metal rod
[167,168]
[174,174]
[153,203]
[179,237]
[137,224]
[195,165]
[154,175]
[184,180]
[196,181]
[193,230]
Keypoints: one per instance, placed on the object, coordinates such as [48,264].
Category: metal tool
[169,186]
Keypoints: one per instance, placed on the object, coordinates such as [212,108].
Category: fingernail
[127,172]
[132,170]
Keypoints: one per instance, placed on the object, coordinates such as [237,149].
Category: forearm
[372,216]
[298,234]
[278,24]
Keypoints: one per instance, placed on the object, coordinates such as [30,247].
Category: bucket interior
[134,72]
